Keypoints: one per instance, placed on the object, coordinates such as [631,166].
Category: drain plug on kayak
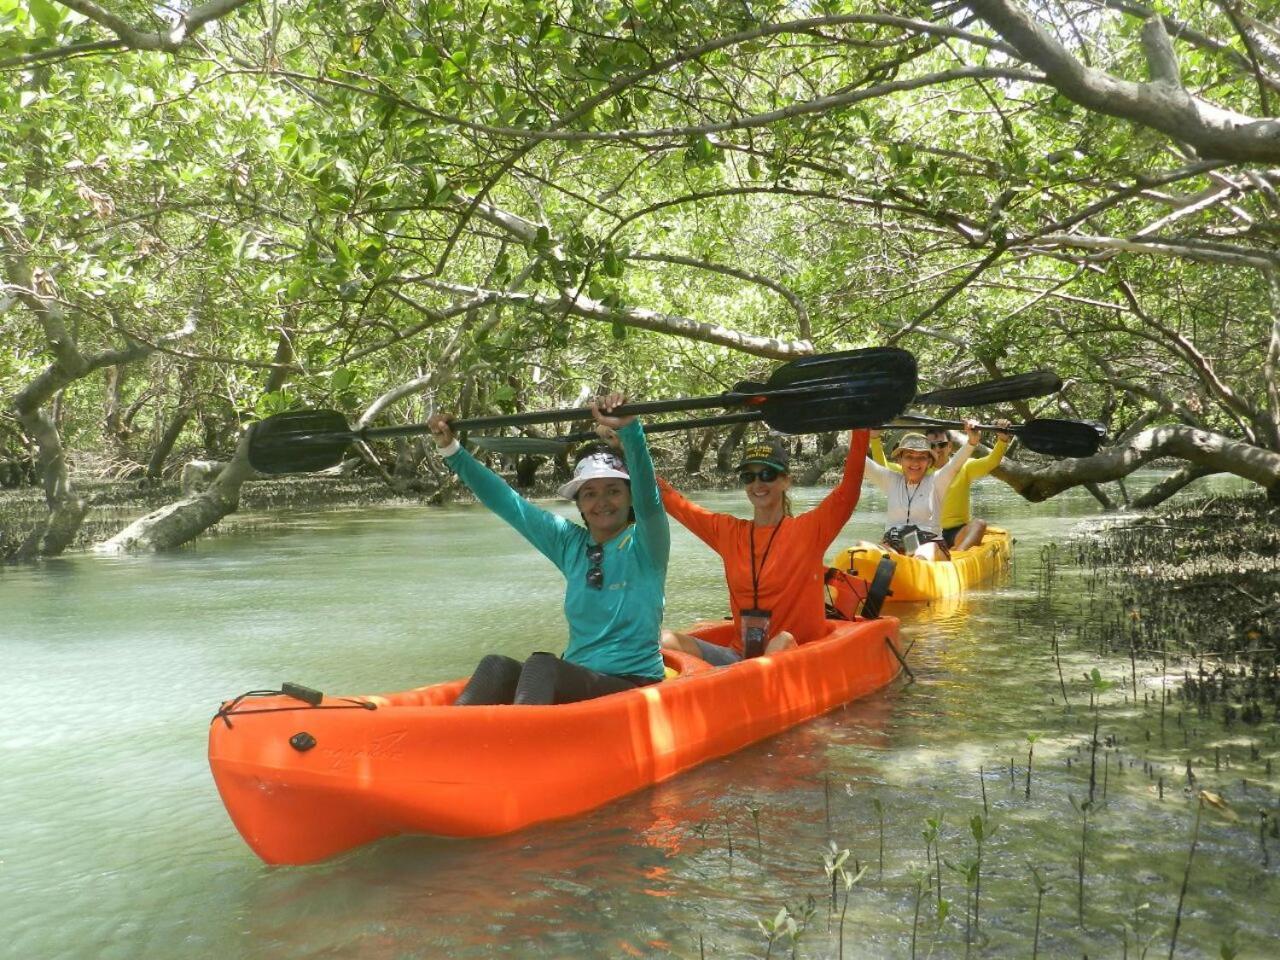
[302,742]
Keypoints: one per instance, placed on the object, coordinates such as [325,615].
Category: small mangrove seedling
[1186,874]
[837,871]
[832,864]
[982,830]
[1202,799]
[1062,683]
[879,808]
[1137,926]
[932,830]
[1081,808]
[1042,887]
[1093,758]
[1031,746]
[754,810]
[920,878]
[1097,687]
[982,782]
[782,924]
[799,926]
[969,873]
[1229,949]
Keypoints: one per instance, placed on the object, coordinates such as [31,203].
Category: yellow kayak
[915,579]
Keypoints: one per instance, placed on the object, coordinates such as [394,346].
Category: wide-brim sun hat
[597,466]
[769,452]
[914,442]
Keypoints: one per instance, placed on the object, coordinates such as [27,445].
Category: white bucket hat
[597,466]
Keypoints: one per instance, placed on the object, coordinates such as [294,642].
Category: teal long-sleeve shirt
[613,630]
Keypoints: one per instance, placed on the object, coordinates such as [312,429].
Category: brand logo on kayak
[385,747]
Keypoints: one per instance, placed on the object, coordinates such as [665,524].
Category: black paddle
[1055,438]
[858,388]
[1020,386]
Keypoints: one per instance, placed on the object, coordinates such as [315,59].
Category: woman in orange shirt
[773,563]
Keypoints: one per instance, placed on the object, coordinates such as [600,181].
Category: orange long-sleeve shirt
[790,580]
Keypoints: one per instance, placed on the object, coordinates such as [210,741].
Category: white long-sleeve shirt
[919,504]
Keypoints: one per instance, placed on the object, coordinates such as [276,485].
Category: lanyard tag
[755,631]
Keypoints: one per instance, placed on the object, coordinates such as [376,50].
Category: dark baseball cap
[771,452]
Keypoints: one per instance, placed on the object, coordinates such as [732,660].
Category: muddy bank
[1197,586]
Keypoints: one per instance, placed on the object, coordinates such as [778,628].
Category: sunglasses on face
[764,475]
[940,444]
[595,573]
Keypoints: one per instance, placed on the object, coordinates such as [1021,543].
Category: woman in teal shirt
[615,570]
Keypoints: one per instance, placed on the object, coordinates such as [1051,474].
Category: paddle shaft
[536,444]
[914,420]
[727,399]
[697,423]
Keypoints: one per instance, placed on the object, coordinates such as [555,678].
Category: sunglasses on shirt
[595,573]
[764,475]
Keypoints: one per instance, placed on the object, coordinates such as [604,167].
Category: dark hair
[595,446]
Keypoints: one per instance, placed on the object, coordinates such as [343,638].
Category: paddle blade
[1019,386]
[1062,438]
[869,402]
[853,389]
[835,369]
[299,442]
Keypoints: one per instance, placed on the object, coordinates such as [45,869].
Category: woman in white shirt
[915,495]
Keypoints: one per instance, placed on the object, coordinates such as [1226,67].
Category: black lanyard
[755,575]
[910,494]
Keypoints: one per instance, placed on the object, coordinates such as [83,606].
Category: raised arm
[706,525]
[652,527]
[947,472]
[835,509]
[877,452]
[882,477]
[544,530]
[981,466]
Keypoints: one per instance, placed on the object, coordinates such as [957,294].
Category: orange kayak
[303,782]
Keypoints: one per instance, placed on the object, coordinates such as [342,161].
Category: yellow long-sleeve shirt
[955,505]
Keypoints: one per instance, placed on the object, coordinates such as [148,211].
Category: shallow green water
[113,843]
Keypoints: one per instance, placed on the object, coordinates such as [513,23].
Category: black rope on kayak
[901,659]
[227,709]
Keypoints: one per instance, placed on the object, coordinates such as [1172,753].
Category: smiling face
[605,505]
[940,447]
[914,463]
[767,497]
